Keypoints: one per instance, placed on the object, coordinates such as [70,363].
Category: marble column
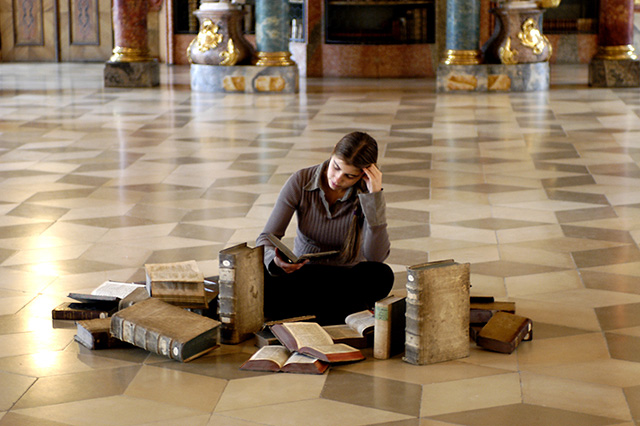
[130,64]
[615,64]
[272,33]
[463,33]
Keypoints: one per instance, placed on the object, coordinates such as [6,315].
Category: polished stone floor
[540,192]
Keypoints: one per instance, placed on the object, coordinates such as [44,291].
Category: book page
[297,358]
[308,333]
[336,348]
[276,353]
[116,289]
[360,321]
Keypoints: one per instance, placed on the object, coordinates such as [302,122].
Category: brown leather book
[95,334]
[82,310]
[504,332]
[178,283]
[165,329]
[241,292]
[389,333]
[437,316]
[480,313]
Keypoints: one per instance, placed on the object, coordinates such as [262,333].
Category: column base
[493,77]
[614,73]
[132,74]
[244,79]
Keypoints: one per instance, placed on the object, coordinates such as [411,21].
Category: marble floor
[540,192]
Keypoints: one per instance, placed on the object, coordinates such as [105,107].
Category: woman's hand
[373,178]
[286,266]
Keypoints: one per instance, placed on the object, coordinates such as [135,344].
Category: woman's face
[340,175]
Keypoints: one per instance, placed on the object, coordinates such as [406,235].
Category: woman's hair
[359,150]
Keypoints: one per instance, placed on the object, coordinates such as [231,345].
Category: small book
[109,292]
[389,327]
[94,334]
[279,358]
[82,310]
[481,312]
[288,255]
[504,332]
[357,330]
[309,338]
[166,329]
[178,283]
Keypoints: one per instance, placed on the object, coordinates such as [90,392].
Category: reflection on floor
[539,191]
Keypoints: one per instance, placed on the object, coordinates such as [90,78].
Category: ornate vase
[517,37]
[220,40]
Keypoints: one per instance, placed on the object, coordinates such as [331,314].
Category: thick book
[279,358]
[83,310]
[504,332]
[178,283]
[390,323]
[95,334]
[166,329]
[288,255]
[437,314]
[357,330]
[481,312]
[309,338]
[241,292]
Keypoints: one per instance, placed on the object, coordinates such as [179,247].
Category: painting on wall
[84,22]
[28,27]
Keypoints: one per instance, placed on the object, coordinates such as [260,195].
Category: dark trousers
[328,292]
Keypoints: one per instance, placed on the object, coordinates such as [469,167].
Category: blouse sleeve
[375,245]
[286,204]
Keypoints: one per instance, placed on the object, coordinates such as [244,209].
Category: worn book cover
[166,329]
[504,332]
[390,323]
[95,334]
[241,292]
[82,310]
[309,338]
[178,283]
[437,312]
[279,358]
[481,312]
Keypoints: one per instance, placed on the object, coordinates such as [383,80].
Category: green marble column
[272,33]
[463,33]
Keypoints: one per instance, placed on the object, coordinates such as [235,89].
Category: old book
[279,358]
[178,283]
[265,337]
[290,257]
[504,332]
[437,314]
[357,330]
[309,338]
[481,312]
[113,292]
[95,334]
[82,310]
[241,292]
[166,329]
[390,323]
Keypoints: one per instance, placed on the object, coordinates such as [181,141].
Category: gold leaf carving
[507,56]
[531,37]
[230,55]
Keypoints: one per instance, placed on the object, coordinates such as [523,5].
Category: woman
[339,205]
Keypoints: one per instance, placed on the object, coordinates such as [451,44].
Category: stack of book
[177,283]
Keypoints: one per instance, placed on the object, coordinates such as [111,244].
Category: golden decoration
[129,54]
[274,59]
[507,56]
[230,55]
[531,37]
[548,4]
[616,53]
[462,57]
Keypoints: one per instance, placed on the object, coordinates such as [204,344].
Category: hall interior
[538,191]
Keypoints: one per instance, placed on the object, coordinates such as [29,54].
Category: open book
[290,257]
[279,358]
[309,338]
[357,331]
[108,291]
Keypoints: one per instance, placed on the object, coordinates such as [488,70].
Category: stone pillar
[615,64]
[463,33]
[130,64]
[272,33]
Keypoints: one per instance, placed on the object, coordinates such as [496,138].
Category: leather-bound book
[95,334]
[504,332]
[389,332]
[480,313]
[165,329]
[178,283]
[83,310]
[438,301]
[241,292]
[279,358]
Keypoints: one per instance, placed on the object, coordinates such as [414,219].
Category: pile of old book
[148,315]
[441,316]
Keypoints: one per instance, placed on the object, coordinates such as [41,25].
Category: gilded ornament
[230,55]
[531,37]
[548,4]
[507,56]
[208,37]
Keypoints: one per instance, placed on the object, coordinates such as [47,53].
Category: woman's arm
[375,238]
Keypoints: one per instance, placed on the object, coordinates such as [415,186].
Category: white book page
[116,289]
[297,358]
[308,333]
[276,353]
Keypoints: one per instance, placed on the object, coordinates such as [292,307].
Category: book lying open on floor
[357,330]
[290,257]
[309,338]
[108,291]
[279,358]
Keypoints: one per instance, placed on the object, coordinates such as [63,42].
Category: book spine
[414,317]
[382,333]
[227,301]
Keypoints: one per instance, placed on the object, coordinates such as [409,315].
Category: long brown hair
[359,150]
